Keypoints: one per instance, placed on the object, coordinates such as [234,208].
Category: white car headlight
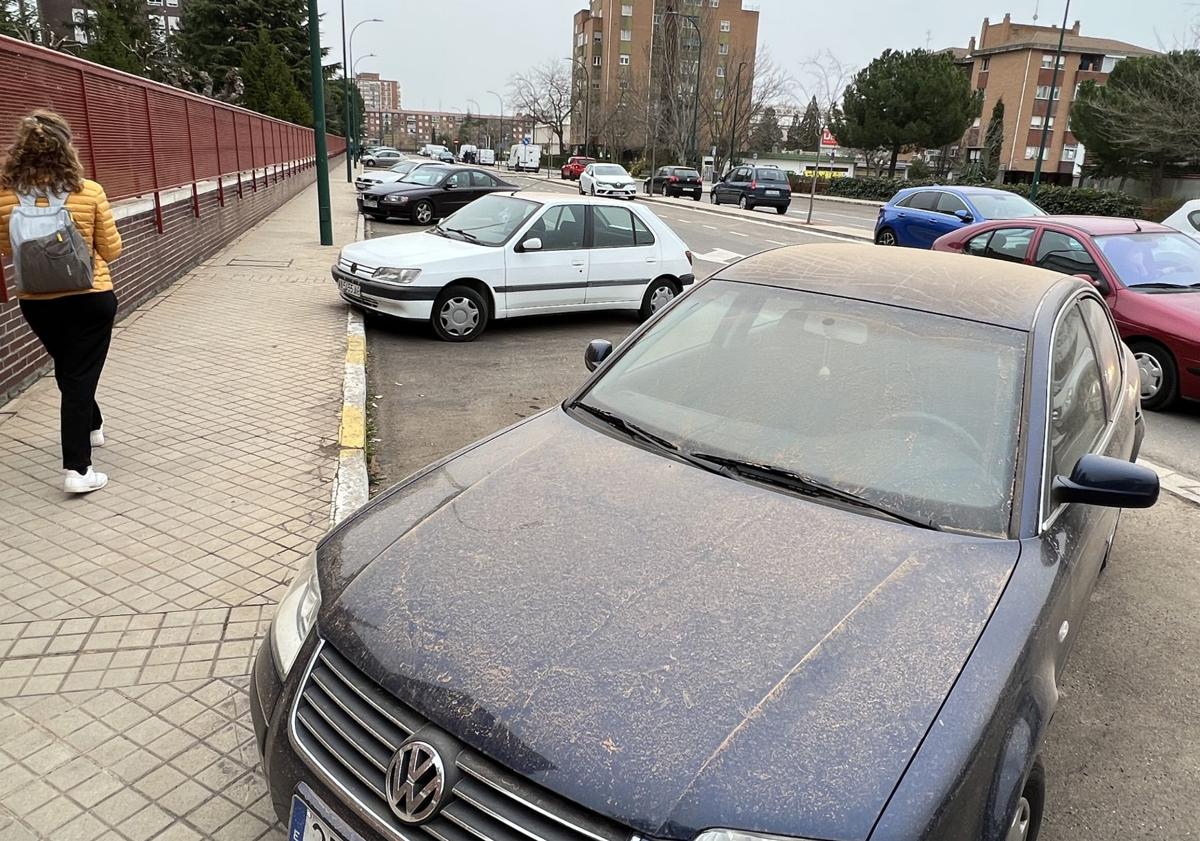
[295,616]
[390,275]
[395,199]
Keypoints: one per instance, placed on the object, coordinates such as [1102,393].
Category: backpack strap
[27,199]
[56,200]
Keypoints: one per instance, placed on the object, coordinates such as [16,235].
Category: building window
[580,40]
[723,49]
[595,61]
[1069,153]
[1038,122]
[658,19]
[1043,92]
[1031,153]
[627,10]
[725,27]
[985,64]
[83,19]
[154,2]
[1048,61]
[976,123]
[626,34]
[721,72]
[624,61]
[719,94]
[974,154]
[172,2]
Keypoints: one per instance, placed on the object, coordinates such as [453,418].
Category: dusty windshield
[490,220]
[1153,260]
[1004,206]
[908,409]
[426,176]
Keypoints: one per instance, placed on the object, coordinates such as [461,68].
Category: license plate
[370,203]
[306,826]
[352,289]
[772,192]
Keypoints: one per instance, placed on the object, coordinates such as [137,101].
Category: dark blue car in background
[916,216]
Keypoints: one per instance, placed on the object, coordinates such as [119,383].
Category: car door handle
[651,259]
[576,262]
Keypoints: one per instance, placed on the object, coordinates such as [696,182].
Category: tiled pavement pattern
[128,619]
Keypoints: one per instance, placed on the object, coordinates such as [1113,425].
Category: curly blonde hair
[42,158]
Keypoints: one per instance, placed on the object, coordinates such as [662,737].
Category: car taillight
[753,185]
[673,178]
[691,261]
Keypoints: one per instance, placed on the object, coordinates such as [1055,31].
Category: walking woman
[59,229]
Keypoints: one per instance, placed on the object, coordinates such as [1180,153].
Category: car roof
[988,291]
[1103,225]
[561,198]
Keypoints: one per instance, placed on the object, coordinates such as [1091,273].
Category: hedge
[1051,198]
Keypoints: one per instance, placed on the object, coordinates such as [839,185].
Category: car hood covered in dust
[670,648]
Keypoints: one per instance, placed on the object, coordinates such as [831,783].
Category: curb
[351,485]
[1181,485]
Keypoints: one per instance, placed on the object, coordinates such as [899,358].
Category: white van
[487,157]
[525,157]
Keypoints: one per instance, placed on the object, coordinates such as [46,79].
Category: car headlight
[390,275]
[295,616]
[394,199]
[736,835]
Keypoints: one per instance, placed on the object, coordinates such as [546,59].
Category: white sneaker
[81,483]
[98,437]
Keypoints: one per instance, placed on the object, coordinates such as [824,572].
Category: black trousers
[76,331]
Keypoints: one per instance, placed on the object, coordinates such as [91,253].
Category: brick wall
[152,261]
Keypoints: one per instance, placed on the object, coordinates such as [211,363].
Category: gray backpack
[49,254]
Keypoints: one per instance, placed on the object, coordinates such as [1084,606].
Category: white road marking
[738,234]
[774,242]
[719,255]
[710,227]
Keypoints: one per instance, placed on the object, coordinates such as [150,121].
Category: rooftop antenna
[928,37]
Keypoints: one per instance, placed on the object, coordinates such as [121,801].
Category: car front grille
[356,269]
[348,728]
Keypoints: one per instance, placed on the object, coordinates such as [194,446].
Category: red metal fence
[138,137]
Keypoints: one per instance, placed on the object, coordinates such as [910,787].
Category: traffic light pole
[324,214]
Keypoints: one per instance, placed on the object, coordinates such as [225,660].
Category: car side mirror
[1107,482]
[449,186]
[531,244]
[964,216]
[597,351]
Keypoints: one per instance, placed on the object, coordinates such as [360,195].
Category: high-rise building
[1015,62]
[647,53]
[67,19]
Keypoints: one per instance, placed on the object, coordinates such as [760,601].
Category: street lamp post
[587,107]
[324,214]
[350,57]
[1037,165]
[692,19]
[500,99]
[737,101]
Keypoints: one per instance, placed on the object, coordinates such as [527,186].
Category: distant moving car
[804,558]
[677,181]
[446,157]
[382,157]
[574,167]
[431,150]
[388,176]
[916,216]
[1186,219]
[754,186]
[1148,274]
[504,256]
[607,180]
[431,192]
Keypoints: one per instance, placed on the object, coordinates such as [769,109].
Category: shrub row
[1051,198]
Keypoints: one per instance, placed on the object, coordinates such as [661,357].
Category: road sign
[827,138]
[524,141]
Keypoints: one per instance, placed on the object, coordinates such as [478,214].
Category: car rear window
[687,173]
[769,175]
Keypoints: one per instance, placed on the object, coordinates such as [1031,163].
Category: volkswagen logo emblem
[415,781]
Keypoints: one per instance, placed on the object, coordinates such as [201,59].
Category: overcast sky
[445,51]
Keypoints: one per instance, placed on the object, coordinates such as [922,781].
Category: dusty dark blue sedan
[804,558]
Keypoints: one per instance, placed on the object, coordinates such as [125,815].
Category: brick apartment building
[410,129]
[1015,61]
[615,42]
[66,18]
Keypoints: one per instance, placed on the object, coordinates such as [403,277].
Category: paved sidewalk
[128,618]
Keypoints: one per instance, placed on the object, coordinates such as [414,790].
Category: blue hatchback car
[916,216]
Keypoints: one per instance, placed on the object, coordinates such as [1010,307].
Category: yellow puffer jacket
[90,209]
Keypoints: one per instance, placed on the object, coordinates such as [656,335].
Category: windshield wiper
[629,427]
[1160,285]
[804,485]
[466,234]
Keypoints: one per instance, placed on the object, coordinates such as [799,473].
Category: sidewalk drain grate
[259,263]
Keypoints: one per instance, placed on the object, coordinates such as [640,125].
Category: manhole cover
[259,263]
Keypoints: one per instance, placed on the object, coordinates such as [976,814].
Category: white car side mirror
[532,244]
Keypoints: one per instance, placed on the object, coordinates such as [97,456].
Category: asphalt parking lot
[1122,757]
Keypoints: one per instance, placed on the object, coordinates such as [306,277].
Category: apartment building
[615,44]
[1015,62]
[67,19]
[411,128]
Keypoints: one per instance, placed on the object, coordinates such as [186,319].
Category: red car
[1148,273]
[575,166]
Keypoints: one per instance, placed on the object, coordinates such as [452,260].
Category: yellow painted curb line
[356,350]
[354,428]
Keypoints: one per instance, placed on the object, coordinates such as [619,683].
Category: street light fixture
[695,22]
[587,114]
[352,64]
[1037,165]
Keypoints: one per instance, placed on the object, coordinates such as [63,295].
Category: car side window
[482,179]
[1065,254]
[906,201]
[1108,347]
[458,179]
[613,228]
[743,174]
[642,235]
[977,246]
[1008,244]
[1077,410]
[1194,218]
[950,204]
[560,228]
[926,200]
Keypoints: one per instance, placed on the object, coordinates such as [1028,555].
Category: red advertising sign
[827,138]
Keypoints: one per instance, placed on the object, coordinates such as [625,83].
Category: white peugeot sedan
[607,180]
[503,256]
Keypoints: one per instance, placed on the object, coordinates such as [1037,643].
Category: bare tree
[545,94]
[826,77]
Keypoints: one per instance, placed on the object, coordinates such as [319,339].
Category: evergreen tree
[18,19]
[993,142]
[335,106]
[767,135]
[119,36]
[270,83]
[805,135]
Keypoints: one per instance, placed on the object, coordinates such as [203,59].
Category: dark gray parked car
[804,558]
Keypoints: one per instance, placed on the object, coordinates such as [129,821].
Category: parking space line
[738,234]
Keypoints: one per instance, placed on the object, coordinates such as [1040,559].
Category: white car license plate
[772,192]
[352,289]
[370,203]
[306,826]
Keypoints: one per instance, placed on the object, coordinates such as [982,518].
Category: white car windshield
[910,410]
[610,171]
[491,220]
[1153,260]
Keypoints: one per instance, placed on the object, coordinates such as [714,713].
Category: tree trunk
[892,163]
[1156,180]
